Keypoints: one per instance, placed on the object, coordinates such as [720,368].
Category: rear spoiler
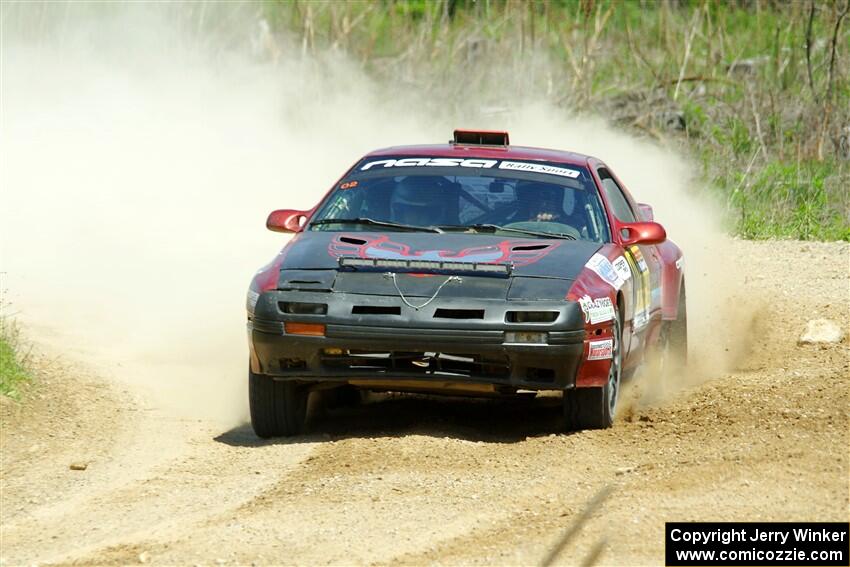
[481,138]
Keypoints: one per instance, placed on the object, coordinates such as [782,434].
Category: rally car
[468,268]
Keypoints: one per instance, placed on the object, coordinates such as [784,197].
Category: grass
[13,372]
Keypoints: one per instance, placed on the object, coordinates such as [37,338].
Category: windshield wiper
[373,222]
[495,228]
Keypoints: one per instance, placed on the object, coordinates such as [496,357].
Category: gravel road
[415,479]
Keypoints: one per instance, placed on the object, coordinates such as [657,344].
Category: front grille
[418,363]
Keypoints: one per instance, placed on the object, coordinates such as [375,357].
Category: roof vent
[481,138]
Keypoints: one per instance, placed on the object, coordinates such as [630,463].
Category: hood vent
[352,240]
[524,247]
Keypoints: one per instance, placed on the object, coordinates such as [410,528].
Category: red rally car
[468,268]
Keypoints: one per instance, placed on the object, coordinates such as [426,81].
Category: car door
[643,260]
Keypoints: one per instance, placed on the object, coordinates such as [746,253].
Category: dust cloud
[139,161]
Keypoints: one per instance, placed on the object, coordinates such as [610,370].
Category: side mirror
[646,212]
[285,220]
[642,233]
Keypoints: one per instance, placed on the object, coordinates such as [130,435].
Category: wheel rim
[614,373]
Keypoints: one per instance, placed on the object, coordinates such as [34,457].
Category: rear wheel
[678,338]
[594,408]
[278,409]
[672,347]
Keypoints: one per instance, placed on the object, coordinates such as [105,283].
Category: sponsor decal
[605,270]
[641,263]
[348,185]
[679,263]
[539,168]
[622,266]
[431,162]
[600,350]
[642,290]
[597,310]
[472,162]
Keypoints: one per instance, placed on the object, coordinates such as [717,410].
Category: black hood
[530,258]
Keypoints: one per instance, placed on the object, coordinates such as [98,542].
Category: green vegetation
[757,92]
[13,373]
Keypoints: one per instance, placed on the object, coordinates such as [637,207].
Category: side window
[618,201]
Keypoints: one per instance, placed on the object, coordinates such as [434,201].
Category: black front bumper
[452,339]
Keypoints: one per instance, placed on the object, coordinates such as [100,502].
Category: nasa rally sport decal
[473,162]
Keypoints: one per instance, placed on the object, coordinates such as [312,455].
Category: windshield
[520,198]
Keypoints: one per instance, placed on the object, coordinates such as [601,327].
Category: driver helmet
[542,201]
[418,200]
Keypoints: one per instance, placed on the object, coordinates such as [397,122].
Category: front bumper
[458,340]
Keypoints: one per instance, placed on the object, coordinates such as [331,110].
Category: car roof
[479,151]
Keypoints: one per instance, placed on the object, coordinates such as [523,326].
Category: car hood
[533,262]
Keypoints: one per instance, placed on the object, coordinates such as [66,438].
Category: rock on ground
[821,331]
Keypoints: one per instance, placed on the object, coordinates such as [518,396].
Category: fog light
[526,338]
[333,351]
[311,329]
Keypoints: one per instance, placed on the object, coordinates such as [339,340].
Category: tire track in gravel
[154,476]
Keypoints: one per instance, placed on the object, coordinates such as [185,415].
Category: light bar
[481,138]
[426,265]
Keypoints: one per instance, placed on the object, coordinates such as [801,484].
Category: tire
[278,409]
[678,337]
[667,359]
[594,408]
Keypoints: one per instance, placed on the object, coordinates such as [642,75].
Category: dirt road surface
[412,480]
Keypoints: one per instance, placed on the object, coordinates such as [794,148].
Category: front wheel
[278,409]
[594,408]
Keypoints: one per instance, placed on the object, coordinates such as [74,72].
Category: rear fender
[672,279]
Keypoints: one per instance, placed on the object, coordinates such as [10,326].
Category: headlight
[294,308]
[251,301]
